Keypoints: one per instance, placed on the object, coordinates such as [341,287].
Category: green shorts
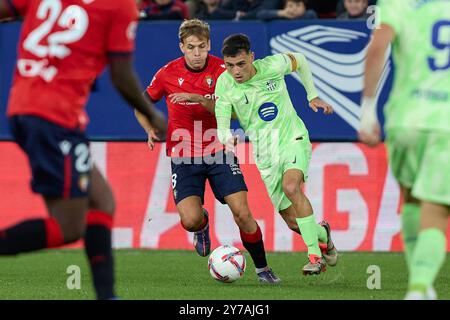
[295,156]
[420,161]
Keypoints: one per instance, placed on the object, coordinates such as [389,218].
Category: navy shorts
[224,175]
[60,159]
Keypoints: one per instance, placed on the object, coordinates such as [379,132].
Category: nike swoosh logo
[295,160]
[246,99]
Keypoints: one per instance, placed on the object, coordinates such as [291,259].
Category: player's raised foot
[316,265]
[268,276]
[328,249]
[202,242]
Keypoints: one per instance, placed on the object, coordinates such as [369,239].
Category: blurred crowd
[265,10]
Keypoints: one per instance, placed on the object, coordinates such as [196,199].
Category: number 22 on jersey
[74,20]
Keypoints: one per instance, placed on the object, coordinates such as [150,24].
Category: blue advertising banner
[336,55]
[335,51]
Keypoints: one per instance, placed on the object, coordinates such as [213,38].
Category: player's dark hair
[193,27]
[234,44]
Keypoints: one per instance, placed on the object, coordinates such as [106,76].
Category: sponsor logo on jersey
[336,57]
[268,111]
[180,81]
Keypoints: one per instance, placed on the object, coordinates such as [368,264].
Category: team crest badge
[209,81]
[83,182]
[271,85]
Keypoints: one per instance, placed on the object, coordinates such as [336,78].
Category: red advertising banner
[349,185]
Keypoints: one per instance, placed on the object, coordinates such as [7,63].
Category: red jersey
[192,130]
[64,45]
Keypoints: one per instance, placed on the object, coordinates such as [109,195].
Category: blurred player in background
[63,47]
[256,92]
[417,127]
[188,84]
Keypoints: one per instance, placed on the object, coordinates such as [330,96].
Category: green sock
[410,229]
[309,233]
[427,259]
[322,234]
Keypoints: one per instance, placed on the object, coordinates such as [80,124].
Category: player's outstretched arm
[369,130]
[126,82]
[151,134]
[301,66]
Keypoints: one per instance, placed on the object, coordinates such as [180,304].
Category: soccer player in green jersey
[417,127]
[255,91]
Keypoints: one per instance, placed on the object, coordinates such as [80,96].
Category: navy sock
[97,242]
[255,246]
[31,235]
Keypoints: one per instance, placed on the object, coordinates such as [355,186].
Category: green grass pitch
[174,275]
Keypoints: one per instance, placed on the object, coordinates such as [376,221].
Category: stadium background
[350,185]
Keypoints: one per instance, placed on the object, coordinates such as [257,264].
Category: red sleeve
[156,89]
[122,31]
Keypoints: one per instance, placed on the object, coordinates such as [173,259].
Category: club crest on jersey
[271,85]
[180,81]
[209,81]
[268,111]
[83,182]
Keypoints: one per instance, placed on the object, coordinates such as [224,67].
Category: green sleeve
[305,76]
[223,111]
[276,65]
[283,64]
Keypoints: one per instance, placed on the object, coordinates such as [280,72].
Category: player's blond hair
[193,27]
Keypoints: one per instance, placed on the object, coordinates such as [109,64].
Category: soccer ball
[226,264]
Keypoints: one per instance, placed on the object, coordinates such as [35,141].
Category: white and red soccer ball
[226,264]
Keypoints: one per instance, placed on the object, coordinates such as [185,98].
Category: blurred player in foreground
[417,127]
[256,92]
[188,84]
[63,47]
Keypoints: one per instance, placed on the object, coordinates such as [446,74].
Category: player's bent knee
[243,219]
[192,224]
[291,190]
